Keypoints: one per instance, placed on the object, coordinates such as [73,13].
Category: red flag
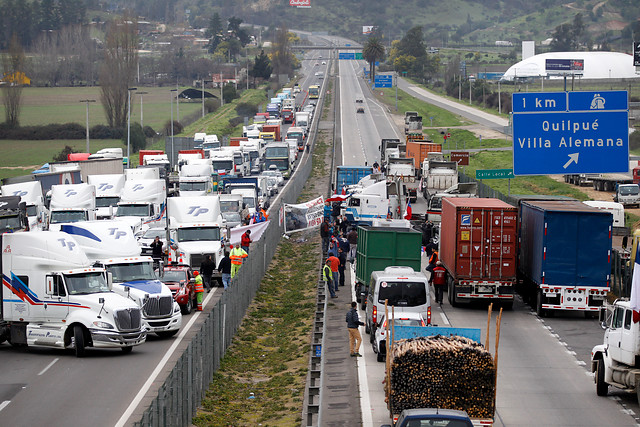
[407,214]
[344,191]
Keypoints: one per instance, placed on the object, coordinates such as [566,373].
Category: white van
[405,289]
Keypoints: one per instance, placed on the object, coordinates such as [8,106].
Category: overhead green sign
[358,55]
[494,173]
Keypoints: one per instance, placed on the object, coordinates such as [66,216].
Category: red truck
[287,116]
[478,249]
[273,128]
[235,140]
[143,153]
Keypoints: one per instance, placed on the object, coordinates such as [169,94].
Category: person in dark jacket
[342,256]
[206,271]
[353,323]
[352,238]
[224,267]
[325,233]
[156,250]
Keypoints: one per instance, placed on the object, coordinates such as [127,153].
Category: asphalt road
[543,376]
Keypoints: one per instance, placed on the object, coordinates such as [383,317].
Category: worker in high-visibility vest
[236,255]
[199,289]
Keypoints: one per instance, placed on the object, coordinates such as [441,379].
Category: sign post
[570,132]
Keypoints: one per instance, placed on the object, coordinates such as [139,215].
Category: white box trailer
[54,297]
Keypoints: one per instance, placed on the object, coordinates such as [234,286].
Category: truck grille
[196,260]
[158,307]
[128,320]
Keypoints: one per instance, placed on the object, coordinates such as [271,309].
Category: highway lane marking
[147,385]
[445,319]
[365,402]
[46,368]
[4,404]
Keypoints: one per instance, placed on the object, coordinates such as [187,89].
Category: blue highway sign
[382,84]
[570,132]
[346,55]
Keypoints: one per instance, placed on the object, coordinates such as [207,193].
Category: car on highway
[147,237]
[432,417]
[359,101]
[319,73]
[360,110]
[275,173]
[324,62]
[180,280]
[316,64]
[379,334]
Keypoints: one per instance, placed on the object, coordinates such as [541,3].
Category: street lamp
[171,104]
[87,101]
[141,112]
[177,104]
[129,125]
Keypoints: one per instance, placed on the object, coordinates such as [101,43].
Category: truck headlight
[176,308]
[103,325]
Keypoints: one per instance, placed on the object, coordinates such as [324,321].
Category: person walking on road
[439,280]
[224,267]
[199,289]
[433,259]
[245,241]
[327,276]
[206,271]
[237,254]
[343,263]
[353,325]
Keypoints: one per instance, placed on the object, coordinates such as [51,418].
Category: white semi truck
[71,203]
[195,179]
[111,245]
[108,191]
[52,296]
[30,192]
[143,204]
[194,230]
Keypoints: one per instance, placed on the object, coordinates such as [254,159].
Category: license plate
[485,289]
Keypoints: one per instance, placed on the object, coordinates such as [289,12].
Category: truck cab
[627,194]
[72,203]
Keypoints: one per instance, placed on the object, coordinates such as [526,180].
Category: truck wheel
[380,357]
[367,329]
[186,309]
[539,310]
[507,305]
[451,294]
[602,388]
[78,341]
[127,350]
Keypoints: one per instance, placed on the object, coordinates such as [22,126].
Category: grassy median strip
[262,376]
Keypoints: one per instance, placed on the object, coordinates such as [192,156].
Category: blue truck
[349,175]
[564,255]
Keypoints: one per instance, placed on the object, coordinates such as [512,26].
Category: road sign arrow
[572,158]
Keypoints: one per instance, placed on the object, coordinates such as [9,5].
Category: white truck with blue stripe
[111,245]
[53,297]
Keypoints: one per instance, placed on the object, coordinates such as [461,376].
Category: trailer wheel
[78,341]
[451,294]
[539,310]
[380,357]
[602,388]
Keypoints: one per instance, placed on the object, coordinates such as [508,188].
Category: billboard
[564,66]
[300,3]
[368,29]
[636,54]
[304,215]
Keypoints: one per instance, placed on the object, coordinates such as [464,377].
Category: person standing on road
[335,264]
[342,256]
[327,276]
[325,234]
[206,270]
[326,211]
[352,238]
[156,250]
[199,289]
[433,259]
[439,280]
[237,254]
[224,267]
[353,325]
[245,241]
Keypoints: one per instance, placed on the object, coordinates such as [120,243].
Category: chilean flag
[635,287]
[407,214]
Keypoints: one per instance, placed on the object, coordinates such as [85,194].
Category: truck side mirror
[110,280]
[50,287]
[625,240]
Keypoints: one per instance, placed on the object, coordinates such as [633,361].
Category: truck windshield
[198,234]
[222,165]
[32,211]
[435,203]
[129,272]
[58,217]
[133,210]
[193,186]
[403,294]
[249,201]
[86,283]
[275,152]
[238,159]
[9,223]
[282,165]
[105,202]
[229,205]
[629,190]
[174,276]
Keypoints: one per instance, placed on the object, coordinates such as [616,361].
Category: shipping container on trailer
[478,249]
[565,255]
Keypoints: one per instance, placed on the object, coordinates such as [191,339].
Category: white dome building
[597,65]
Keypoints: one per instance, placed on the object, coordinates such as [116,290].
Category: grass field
[41,106]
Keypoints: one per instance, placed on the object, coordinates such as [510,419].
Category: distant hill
[445,23]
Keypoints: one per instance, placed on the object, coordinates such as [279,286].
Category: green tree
[261,67]
[563,39]
[229,92]
[372,51]
[13,63]
[214,32]
[137,138]
[281,56]
[413,43]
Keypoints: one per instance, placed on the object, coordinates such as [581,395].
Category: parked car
[379,334]
[147,237]
[180,280]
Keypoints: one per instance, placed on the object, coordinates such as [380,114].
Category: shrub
[149,132]
[62,155]
[244,109]
[211,105]
[177,127]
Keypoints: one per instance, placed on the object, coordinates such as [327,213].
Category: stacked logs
[442,372]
